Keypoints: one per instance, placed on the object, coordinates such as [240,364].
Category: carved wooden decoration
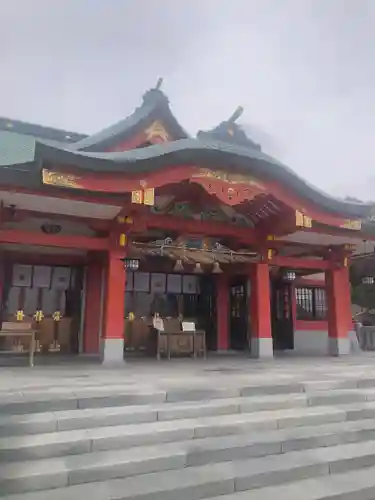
[59,179]
[157,130]
[231,189]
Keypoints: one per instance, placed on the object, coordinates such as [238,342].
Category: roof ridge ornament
[234,117]
[159,83]
[155,94]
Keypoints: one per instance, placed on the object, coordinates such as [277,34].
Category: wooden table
[20,329]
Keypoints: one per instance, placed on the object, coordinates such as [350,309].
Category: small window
[311,303]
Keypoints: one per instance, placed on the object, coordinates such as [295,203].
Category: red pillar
[339,311]
[260,310]
[222,311]
[113,328]
[93,307]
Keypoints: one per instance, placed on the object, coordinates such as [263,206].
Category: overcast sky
[304,70]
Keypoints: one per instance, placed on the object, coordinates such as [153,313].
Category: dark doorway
[207,310]
[238,314]
[282,315]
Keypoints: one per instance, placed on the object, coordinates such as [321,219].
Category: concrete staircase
[290,441]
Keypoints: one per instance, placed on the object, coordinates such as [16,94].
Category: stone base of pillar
[112,351]
[338,346]
[261,348]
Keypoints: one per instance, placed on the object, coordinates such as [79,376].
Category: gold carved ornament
[156,129]
[122,240]
[354,225]
[38,315]
[229,178]
[303,220]
[20,315]
[144,196]
[59,179]
[56,316]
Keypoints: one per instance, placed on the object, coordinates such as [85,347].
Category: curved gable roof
[155,106]
[229,131]
[211,154]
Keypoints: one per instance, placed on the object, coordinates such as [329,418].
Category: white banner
[129,285]
[174,283]
[189,284]
[22,275]
[158,282]
[42,277]
[141,282]
[61,278]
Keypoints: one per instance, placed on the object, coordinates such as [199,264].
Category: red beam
[195,227]
[52,192]
[7,215]
[16,236]
[45,259]
[295,263]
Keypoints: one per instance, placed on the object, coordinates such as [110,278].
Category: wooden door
[238,314]
[282,315]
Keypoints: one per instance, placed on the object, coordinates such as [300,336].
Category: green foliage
[364,296]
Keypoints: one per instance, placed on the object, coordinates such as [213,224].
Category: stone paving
[215,371]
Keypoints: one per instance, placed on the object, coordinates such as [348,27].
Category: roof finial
[159,83]
[236,114]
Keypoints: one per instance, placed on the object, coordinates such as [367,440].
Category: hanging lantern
[178,267]
[198,268]
[289,275]
[368,280]
[131,264]
[216,269]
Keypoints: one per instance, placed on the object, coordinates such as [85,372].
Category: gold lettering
[137,196]
[149,197]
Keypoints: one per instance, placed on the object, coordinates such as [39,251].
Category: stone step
[12,425]
[100,466]
[210,450]
[62,443]
[63,398]
[184,483]
[353,485]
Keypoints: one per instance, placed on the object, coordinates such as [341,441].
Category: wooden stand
[18,330]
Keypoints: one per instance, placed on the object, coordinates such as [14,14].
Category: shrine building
[100,233]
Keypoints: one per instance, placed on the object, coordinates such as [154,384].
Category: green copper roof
[47,133]
[31,154]
[16,149]
[155,106]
